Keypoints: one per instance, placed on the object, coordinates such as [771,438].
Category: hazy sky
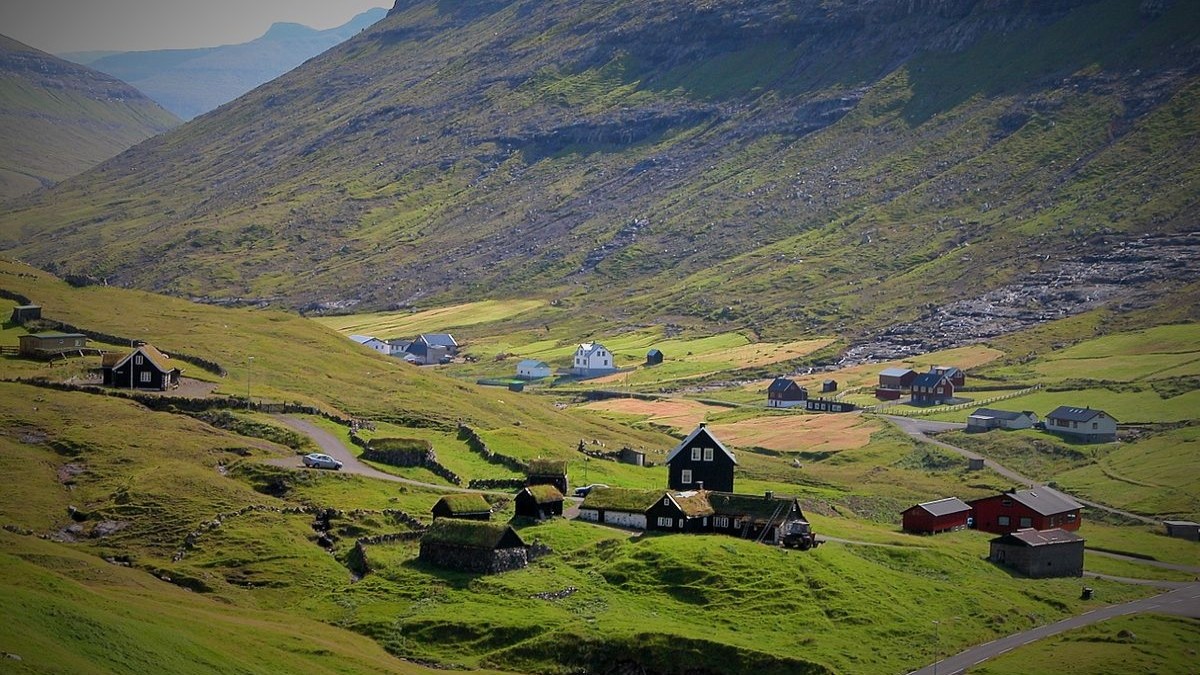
[58,26]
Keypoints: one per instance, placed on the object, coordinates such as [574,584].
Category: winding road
[335,448]
[1183,601]
[919,429]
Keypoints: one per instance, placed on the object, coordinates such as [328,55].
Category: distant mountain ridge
[191,82]
[787,166]
[58,119]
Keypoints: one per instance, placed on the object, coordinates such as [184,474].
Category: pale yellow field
[407,324]
[720,360]
[678,413]
[800,432]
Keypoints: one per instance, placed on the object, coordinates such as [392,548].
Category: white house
[1083,424]
[374,343]
[592,358]
[990,418]
[530,369]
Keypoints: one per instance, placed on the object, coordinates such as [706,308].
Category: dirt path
[919,429]
[333,446]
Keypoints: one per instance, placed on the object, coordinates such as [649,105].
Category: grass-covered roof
[757,507]
[544,494]
[694,504]
[547,467]
[472,533]
[621,499]
[467,502]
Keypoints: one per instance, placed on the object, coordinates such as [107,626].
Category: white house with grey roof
[1087,425]
[990,418]
[373,342]
[532,369]
[593,359]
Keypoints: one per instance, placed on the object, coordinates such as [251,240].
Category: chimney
[702,425]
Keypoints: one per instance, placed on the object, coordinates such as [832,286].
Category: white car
[317,460]
[583,491]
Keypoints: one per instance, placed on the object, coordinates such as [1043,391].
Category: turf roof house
[593,359]
[1039,508]
[539,502]
[700,462]
[785,393]
[752,516]
[143,368]
[466,506]
[622,507]
[1082,424]
[940,515]
[547,472]
[473,546]
[680,512]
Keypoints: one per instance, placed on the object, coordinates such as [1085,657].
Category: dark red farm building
[941,515]
[1040,508]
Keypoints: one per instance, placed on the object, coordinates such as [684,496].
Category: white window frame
[696,454]
[708,454]
[145,377]
[137,360]
[665,521]
[685,476]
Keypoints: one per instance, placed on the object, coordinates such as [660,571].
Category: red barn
[1040,508]
[941,515]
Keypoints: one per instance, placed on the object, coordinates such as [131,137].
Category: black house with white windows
[700,462]
[143,368]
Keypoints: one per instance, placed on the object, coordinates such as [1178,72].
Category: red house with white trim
[1040,508]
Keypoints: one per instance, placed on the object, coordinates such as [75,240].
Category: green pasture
[1143,643]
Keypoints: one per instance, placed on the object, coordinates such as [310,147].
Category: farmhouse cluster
[426,350]
[786,393]
[1037,528]
[935,387]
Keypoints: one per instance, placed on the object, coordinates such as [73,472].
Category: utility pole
[249,368]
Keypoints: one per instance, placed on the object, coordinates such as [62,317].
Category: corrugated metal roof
[944,507]
[928,380]
[998,414]
[895,372]
[1031,537]
[1045,501]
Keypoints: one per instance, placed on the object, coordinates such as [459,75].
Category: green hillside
[58,119]
[786,168]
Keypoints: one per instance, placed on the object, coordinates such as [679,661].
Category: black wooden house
[539,502]
[680,512]
[752,516]
[143,368]
[547,472]
[700,462]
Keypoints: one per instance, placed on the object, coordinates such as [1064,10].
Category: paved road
[918,428]
[333,446]
[1152,563]
[1184,601]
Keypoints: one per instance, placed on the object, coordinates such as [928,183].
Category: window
[1026,522]
[721,521]
[145,376]
[1095,425]
[1070,517]
[685,476]
[1005,502]
[666,501]
[695,454]
[663,521]
[708,454]
[138,359]
[1002,520]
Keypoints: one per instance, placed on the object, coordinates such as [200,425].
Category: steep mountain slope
[191,82]
[782,165]
[58,119]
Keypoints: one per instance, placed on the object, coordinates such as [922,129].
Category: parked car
[317,460]
[583,491]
